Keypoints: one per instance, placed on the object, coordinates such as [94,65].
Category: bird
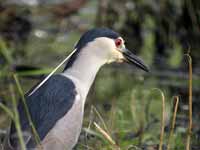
[56,106]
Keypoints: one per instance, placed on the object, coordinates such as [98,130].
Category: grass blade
[16,119]
[36,136]
[6,110]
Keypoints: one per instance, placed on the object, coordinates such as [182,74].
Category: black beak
[133,59]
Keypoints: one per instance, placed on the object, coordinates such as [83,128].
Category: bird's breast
[67,130]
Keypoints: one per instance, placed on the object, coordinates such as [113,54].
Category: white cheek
[116,56]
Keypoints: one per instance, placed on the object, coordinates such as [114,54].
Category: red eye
[118,42]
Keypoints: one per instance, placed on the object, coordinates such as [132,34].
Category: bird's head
[107,45]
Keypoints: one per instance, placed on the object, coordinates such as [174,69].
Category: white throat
[84,69]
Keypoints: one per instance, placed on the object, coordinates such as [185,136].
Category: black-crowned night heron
[57,106]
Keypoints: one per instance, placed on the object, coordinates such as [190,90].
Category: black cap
[88,37]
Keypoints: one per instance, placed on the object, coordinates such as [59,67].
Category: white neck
[85,68]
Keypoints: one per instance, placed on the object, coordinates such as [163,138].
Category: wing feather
[46,106]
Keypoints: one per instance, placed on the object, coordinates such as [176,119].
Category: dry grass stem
[162,119]
[107,136]
[173,121]
[100,117]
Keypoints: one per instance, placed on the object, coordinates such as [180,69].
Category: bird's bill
[133,59]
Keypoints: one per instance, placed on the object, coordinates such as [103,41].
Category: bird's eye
[118,42]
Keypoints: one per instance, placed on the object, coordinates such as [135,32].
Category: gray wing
[46,106]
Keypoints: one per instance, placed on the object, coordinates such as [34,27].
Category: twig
[173,121]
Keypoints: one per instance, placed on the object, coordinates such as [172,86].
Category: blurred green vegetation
[124,96]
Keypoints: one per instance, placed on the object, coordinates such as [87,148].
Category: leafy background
[36,35]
